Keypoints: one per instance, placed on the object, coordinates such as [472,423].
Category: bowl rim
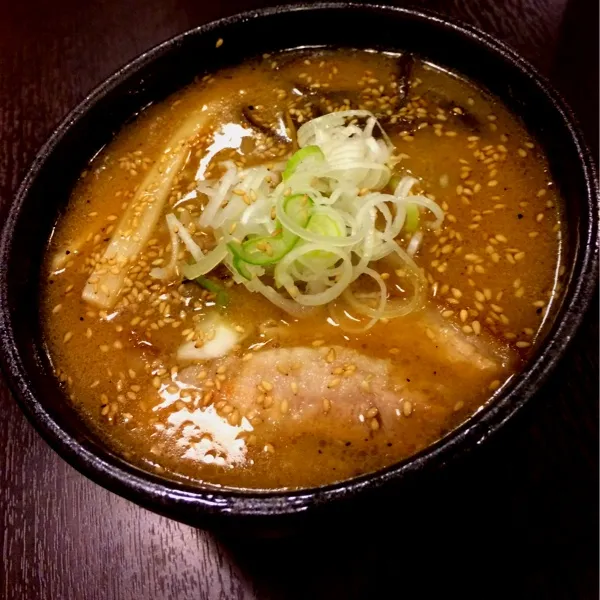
[153,491]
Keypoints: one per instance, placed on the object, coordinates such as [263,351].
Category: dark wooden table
[519,520]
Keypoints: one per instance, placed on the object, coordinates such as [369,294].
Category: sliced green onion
[241,267]
[222,297]
[394,181]
[206,264]
[313,153]
[412,218]
[263,250]
[298,207]
[269,249]
[323,225]
[318,222]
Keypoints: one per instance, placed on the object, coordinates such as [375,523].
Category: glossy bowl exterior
[159,72]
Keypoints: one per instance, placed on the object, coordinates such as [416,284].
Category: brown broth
[492,271]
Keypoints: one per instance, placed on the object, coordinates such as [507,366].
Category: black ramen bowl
[166,68]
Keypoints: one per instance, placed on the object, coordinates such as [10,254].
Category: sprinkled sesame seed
[452,254]
[372,412]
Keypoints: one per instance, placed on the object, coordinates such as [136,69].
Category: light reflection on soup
[207,381]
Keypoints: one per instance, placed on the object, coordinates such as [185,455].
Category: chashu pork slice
[334,389]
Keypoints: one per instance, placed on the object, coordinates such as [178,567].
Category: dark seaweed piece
[399,125]
[291,129]
[322,102]
[468,119]
[272,125]
[311,107]
[325,101]
[339,98]
[405,64]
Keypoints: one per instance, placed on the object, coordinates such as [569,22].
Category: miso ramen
[301,269]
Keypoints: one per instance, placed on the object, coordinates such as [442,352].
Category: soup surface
[191,370]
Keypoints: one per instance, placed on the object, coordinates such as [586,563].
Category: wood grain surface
[518,520]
